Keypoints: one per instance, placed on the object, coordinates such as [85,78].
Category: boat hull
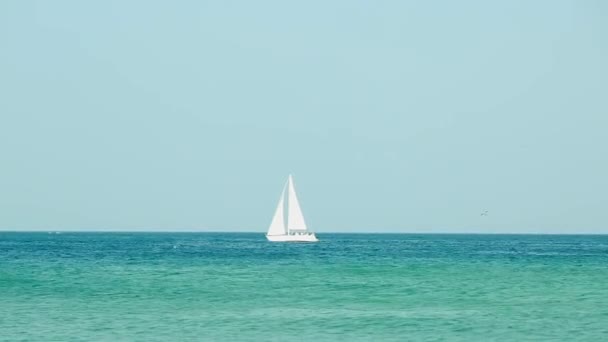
[310,237]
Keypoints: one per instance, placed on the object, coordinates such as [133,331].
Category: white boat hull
[304,237]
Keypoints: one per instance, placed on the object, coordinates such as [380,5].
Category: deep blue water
[368,287]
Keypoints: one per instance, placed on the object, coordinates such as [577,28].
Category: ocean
[347,287]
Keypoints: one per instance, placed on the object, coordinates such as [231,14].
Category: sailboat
[295,230]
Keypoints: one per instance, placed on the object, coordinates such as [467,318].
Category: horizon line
[263,232]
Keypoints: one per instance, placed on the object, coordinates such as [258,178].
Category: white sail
[277,226]
[295,219]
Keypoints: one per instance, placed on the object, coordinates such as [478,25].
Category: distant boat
[295,230]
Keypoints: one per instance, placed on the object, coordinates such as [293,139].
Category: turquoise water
[225,287]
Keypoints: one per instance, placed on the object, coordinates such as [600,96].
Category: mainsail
[295,219]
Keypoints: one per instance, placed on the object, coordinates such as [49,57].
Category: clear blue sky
[392,115]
